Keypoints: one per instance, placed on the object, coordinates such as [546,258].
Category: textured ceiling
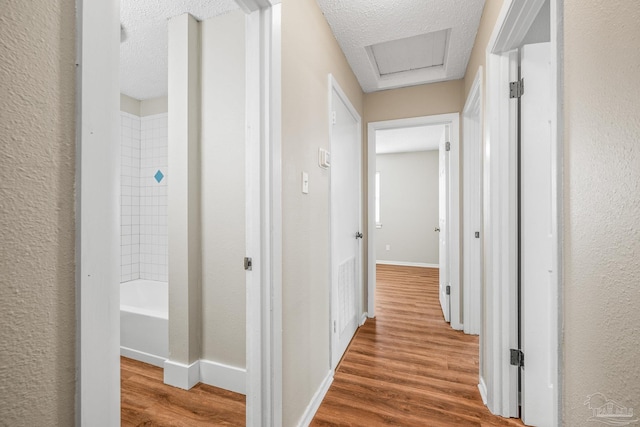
[404,140]
[359,24]
[143,53]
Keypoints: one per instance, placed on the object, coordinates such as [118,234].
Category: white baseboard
[223,376]
[363,318]
[408,264]
[151,359]
[483,390]
[316,400]
[181,375]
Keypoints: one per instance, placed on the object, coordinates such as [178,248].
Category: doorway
[523,251]
[449,151]
[98,266]
[472,233]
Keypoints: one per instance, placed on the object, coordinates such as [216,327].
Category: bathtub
[144,321]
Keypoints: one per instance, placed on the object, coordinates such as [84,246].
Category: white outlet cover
[305,183]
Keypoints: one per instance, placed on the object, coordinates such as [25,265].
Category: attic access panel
[410,54]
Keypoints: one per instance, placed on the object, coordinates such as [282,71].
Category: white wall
[309,53]
[38,374]
[185,255]
[223,189]
[408,207]
[601,205]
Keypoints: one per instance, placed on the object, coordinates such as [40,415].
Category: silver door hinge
[334,118]
[248,263]
[447,146]
[516,89]
[517,357]
[448,290]
[334,327]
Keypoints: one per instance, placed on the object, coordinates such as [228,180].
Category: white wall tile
[143,199]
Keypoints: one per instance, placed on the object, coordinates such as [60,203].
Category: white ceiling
[404,140]
[143,53]
[360,25]
[380,39]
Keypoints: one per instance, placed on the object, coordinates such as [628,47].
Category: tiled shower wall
[153,198]
[144,198]
[130,198]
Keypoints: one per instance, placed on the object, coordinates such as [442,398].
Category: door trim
[97,266]
[512,25]
[264,199]
[335,86]
[472,153]
[453,120]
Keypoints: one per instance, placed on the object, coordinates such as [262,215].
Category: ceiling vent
[410,54]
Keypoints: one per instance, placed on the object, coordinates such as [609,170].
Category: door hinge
[448,290]
[334,118]
[517,357]
[248,263]
[477,234]
[334,327]
[516,89]
[447,146]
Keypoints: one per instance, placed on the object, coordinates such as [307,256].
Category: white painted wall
[223,189]
[37,215]
[305,217]
[185,296]
[601,205]
[408,207]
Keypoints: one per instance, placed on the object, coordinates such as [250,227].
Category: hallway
[407,367]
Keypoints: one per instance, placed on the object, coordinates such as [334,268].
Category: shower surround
[144,176]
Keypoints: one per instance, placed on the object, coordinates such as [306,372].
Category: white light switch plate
[305,183]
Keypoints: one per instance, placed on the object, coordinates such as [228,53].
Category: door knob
[359,235]
[437,229]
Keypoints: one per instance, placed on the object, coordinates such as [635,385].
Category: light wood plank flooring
[147,401]
[408,367]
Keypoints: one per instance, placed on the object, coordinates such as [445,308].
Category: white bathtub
[144,321]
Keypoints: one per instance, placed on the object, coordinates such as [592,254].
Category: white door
[537,236]
[472,214]
[443,225]
[346,229]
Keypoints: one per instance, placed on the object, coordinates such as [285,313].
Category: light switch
[324,158]
[305,183]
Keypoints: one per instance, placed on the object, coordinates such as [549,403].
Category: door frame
[335,86]
[500,206]
[97,216]
[453,120]
[472,155]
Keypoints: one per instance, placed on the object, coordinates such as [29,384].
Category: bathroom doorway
[100,218]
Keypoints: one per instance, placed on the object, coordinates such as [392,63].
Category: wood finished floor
[408,367]
[147,401]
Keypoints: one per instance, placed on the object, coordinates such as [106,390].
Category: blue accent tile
[158,176]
